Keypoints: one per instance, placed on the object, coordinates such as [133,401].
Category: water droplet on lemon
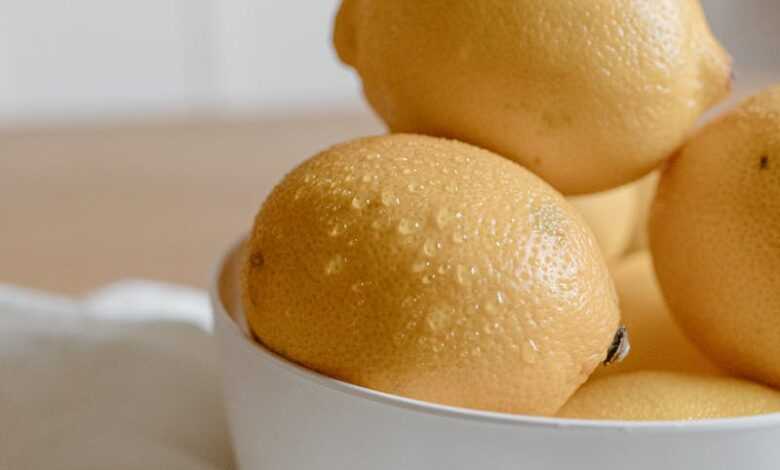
[335,265]
[408,226]
[461,274]
[389,198]
[338,229]
[443,217]
[430,246]
[438,319]
[359,202]
[529,351]
[420,266]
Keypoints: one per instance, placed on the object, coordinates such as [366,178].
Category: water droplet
[529,351]
[410,325]
[427,280]
[399,338]
[338,229]
[500,297]
[420,266]
[476,351]
[437,347]
[430,246]
[413,187]
[408,227]
[335,265]
[390,199]
[443,217]
[309,177]
[458,238]
[407,171]
[408,302]
[461,274]
[299,193]
[491,327]
[367,178]
[443,268]
[451,188]
[438,319]
[359,202]
[373,156]
[359,286]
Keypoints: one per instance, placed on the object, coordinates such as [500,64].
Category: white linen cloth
[125,379]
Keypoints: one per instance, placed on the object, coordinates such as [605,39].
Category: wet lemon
[715,237]
[662,396]
[589,95]
[430,269]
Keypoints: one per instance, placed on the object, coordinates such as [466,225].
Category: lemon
[656,341]
[668,396]
[640,240]
[612,216]
[430,269]
[588,95]
[715,237]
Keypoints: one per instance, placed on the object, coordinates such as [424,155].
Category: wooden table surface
[83,207]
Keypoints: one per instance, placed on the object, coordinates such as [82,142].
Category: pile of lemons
[464,259]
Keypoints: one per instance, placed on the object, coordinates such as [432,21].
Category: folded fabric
[125,379]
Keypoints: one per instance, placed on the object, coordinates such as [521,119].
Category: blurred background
[137,138]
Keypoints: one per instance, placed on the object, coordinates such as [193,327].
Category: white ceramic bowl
[286,417]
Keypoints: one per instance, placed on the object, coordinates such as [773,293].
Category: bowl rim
[453,412]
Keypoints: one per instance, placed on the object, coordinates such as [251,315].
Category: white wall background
[75,59]
[63,59]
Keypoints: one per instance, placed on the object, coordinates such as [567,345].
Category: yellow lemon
[656,341]
[640,240]
[715,237]
[668,396]
[430,269]
[612,216]
[588,95]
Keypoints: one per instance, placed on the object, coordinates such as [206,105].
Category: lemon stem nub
[619,348]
